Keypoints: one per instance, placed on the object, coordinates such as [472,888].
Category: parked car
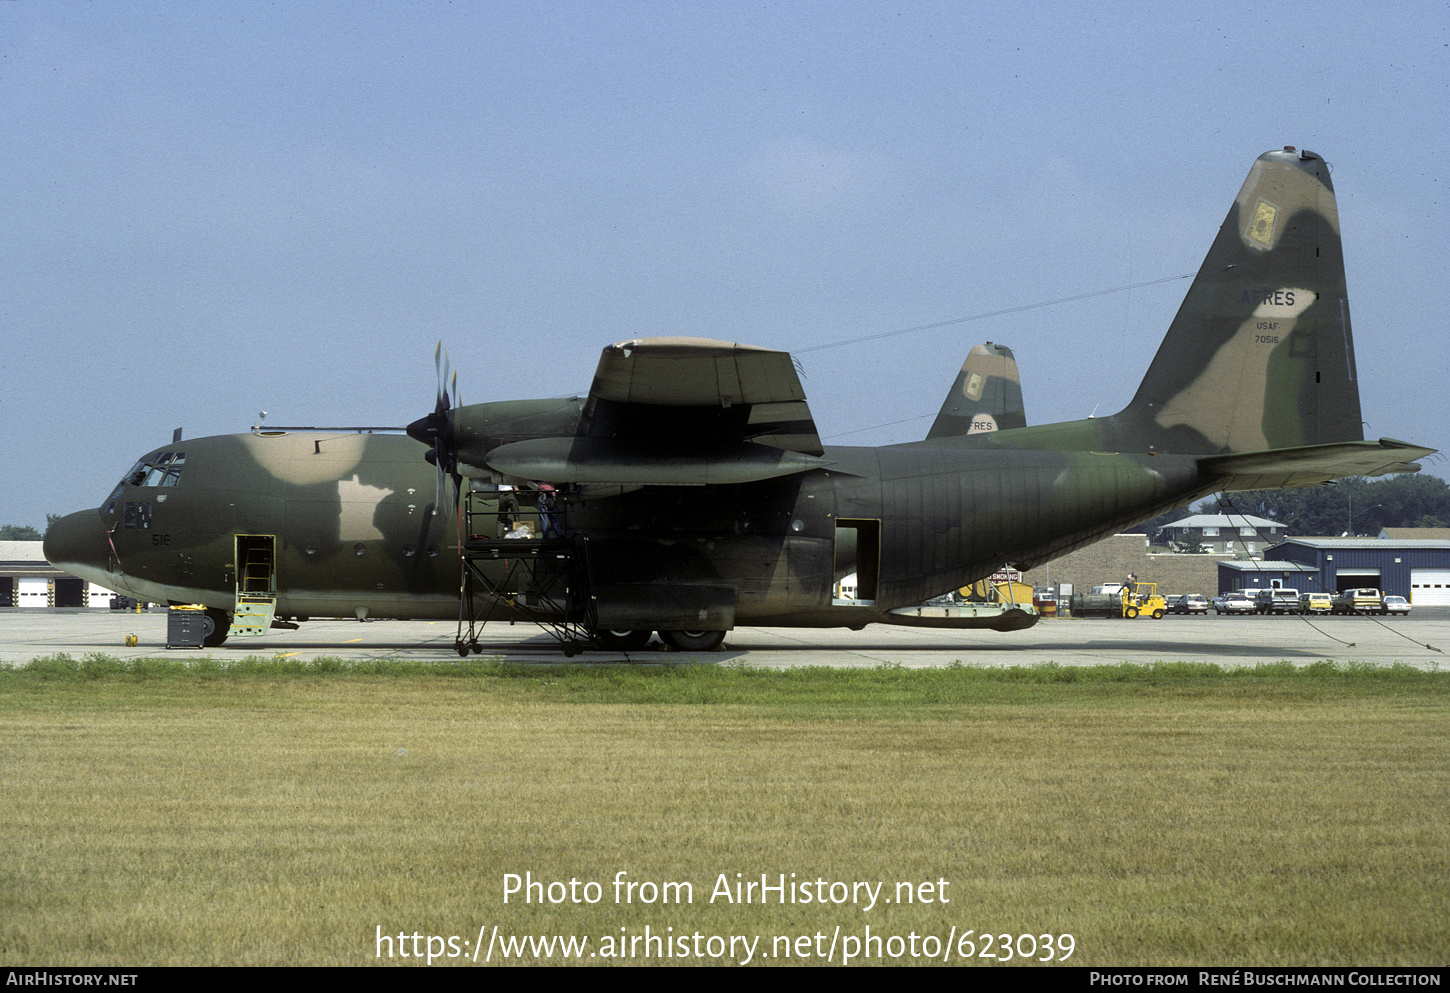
[1394,605]
[1315,603]
[1232,603]
[1365,600]
[1278,600]
[1189,603]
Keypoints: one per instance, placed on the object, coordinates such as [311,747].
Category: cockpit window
[159,469]
[166,469]
[156,469]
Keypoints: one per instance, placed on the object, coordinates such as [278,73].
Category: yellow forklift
[1143,599]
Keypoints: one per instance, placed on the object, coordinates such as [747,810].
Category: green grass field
[284,812]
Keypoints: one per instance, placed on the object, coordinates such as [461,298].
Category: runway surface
[1229,640]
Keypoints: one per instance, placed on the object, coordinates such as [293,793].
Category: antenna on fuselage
[176,436]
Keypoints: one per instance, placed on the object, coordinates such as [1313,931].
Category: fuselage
[354,531]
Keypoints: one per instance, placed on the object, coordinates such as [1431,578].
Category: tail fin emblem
[1261,229]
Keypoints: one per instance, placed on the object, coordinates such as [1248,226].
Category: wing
[682,412]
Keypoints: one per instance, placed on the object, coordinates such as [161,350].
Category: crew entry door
[256,570]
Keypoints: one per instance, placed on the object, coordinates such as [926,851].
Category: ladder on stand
[543,581]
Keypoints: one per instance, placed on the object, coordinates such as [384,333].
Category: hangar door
[1353,579]
[70,592]
[1430,587]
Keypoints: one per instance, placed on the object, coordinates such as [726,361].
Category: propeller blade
[436,430]
[442,402]
[443,383]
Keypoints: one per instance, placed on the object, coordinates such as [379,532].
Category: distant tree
[19,532]
[1358,505]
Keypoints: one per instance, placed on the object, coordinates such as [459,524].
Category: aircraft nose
[76,544]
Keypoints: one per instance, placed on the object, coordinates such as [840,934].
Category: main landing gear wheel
[623,641]
[693,641]
[216,627]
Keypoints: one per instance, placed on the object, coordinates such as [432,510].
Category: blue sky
[216,209]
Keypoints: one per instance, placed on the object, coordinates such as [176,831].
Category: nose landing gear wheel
[216,627]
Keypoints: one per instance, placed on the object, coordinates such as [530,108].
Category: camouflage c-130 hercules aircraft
[696,495]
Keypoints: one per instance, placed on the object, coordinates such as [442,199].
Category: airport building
[1113,559]
[1227,534]
[1261,574]
[28,580]
[1410,562]
[1417,569]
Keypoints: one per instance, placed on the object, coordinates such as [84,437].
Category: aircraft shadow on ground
[1047,648]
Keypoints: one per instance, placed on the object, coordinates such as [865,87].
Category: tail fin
[1260,355]
[986,396]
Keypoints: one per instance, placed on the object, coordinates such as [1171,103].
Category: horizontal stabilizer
[1315,464]
[620,462]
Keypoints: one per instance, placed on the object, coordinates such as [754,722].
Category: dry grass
[271,820]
